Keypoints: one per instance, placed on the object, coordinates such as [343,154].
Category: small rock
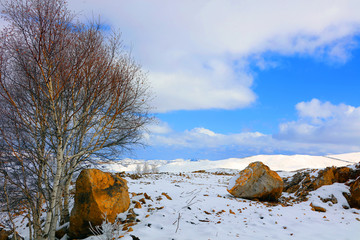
[166,195]
[317,208]
[134,237]
[137,205]
[331,199]
[147,197]
[142,200]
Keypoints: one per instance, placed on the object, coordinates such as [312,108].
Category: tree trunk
[65,211]
[51,217]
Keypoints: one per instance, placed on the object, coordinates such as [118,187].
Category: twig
[178,223]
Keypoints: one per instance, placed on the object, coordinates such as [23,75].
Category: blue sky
[239,78]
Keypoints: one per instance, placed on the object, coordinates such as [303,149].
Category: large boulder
[9,235]
[354,198]
[325,177]
[4,235]
[98,194]
[256,181]
[343,174]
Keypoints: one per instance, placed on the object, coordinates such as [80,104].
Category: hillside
[275,162]
[201,208]
[177,203]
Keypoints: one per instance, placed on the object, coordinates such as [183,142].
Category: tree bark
[65,211]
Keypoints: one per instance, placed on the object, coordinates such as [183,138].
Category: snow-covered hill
[275,162]
[201,208]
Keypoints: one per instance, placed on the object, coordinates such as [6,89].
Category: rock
[166,195]
[62,230]
[317,208]
[137,204]
[256,181]
[293,185]
[4,235]
[134,237]
[343,174]
[331,199]
[131,216]
[97,194]
[325,177]
[301,183]
[354,198]
[147,196]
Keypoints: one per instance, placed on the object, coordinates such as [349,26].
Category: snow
[232,181]
[275,162]
[201,208]
[351,157]
[336,190]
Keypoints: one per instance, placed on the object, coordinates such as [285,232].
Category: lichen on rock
[98,195]
[256,181]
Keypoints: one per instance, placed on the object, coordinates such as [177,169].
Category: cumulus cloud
[321,128]
[323,122]
[205,143]
[192,49]
[202,138]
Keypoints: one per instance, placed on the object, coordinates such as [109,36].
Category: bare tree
[68,91]
[146,168]
[154,168]
[138,168]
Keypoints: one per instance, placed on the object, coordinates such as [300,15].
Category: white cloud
[190,47]
[199,137]
[323,122]
[321,128]
[205,143]
[159,127]
[315,109]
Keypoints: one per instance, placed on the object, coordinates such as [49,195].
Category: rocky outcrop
[325,177]
[343,174]
[256,181]
[354,198]
[309,180]
[98,194]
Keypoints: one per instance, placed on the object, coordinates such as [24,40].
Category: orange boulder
[4,235]
[325,177]
[256,181]
[343,174]
[354,198]
[98,194]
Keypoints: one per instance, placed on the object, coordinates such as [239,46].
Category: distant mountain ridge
[275,162]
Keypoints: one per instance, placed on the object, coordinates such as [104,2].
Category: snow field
[275,162]
[201,208]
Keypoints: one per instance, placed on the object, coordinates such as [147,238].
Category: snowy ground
[201,208]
